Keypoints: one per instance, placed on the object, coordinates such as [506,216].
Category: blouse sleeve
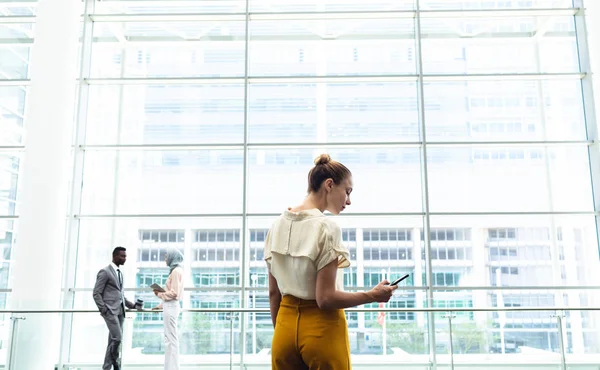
[176,287]
[332,248]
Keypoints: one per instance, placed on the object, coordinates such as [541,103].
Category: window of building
[350,277]
[448,234]
[445,278]
[216,277]
[258,235]
[223,317]
[155,243]
[386,235]
[502,234]
[349,235]
[510,270]
[216,245]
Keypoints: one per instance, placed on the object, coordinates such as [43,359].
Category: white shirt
[115,267]
[298,245]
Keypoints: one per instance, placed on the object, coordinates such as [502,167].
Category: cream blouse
[298,245]
[174,287]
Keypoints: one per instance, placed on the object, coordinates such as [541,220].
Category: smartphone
[395,282]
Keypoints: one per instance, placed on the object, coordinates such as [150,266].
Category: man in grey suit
[109,297]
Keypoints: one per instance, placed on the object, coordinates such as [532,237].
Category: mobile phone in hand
[397,281]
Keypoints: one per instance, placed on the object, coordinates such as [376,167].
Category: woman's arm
[328,297]
[274,298]
[175,282]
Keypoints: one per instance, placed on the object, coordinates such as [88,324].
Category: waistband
[290,300]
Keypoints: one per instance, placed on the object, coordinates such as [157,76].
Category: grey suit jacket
[108,295]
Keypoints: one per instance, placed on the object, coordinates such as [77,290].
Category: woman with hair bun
[304,251]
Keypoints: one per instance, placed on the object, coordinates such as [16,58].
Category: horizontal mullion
[331,79]
[160,215]
[189,289]
[165,147]
[518,213]
[504,76]
[332,15]
[329,15]
[496,13]
[240,146]
[17,19]
[348,214]
[528,143]
[11,148]
[16,82]
[250,79]
[380,309]
[374,144]
[457,289]
[173,39]
[167,17]
[257,16]
[164,81]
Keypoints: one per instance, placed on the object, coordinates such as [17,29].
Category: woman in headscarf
[170,305]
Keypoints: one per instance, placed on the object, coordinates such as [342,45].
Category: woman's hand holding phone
[382,292]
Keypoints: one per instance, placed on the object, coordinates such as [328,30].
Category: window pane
[166,114]
[9,174]
[12,113]
[174,49]
[333,112]
[504,111]
[329,5]
[166,7]
[14,60]
[499,45]
[371,169]
[521,248]
[493,4]
[23,9]
[486,179]
[513,251]
[151,182]
[98,235]
[365,47]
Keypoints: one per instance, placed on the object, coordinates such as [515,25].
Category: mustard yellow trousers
[308,338]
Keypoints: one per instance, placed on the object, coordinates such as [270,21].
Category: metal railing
[232,314]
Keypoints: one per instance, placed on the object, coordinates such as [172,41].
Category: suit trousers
[309,338]
[170,316]
[115,337]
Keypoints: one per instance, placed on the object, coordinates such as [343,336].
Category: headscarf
[174,259]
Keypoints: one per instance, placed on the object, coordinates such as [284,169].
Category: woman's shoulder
[330,225]
[312,219]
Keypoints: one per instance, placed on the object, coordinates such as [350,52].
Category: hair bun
[322,159]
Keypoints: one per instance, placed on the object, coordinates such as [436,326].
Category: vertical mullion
[245,271]
[74,207]
[589,108]
[424,183]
